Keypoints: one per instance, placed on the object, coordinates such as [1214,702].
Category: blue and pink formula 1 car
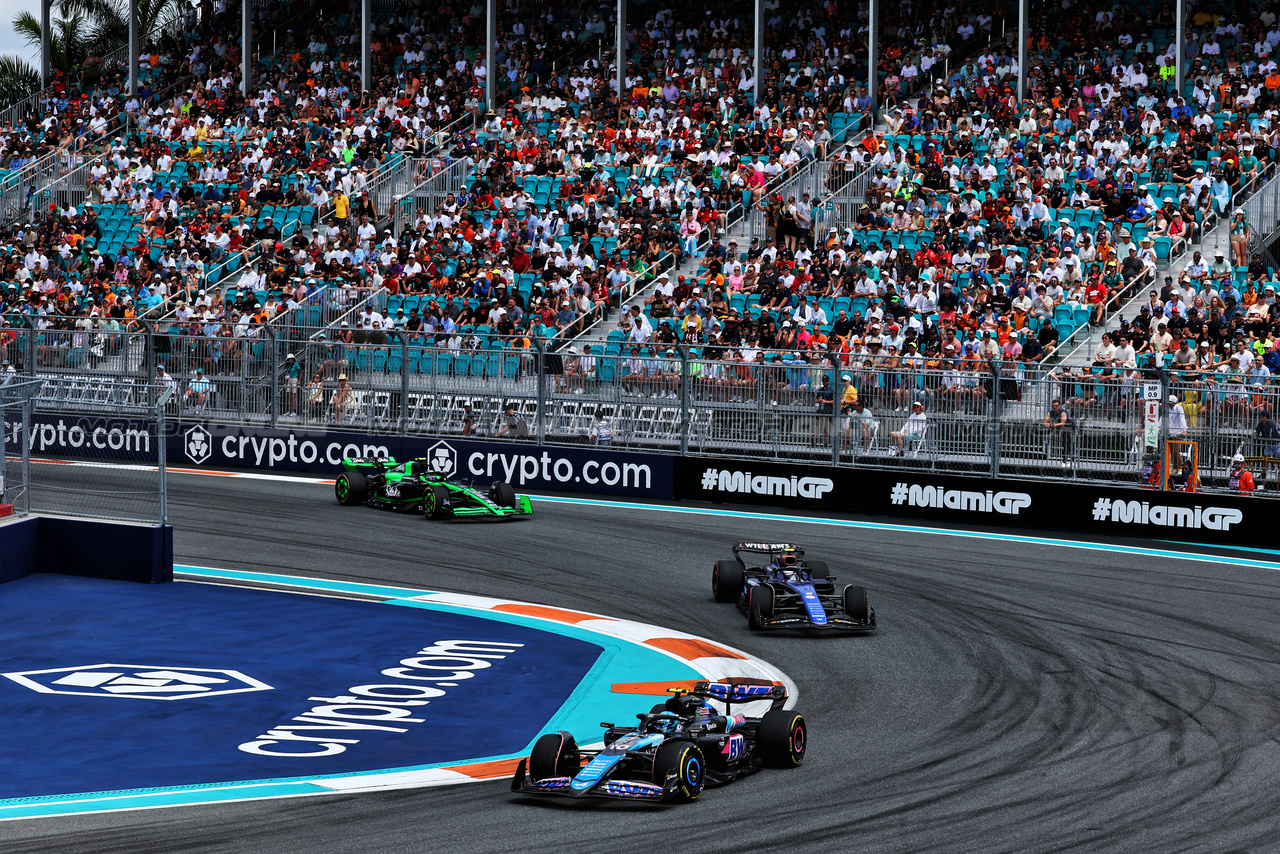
[779,588]
[674,751]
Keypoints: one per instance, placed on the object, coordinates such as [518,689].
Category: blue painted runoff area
[108,686]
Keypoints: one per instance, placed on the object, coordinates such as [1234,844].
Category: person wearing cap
[1060,426]
[913,431]
[292,371]
[163,379]
[1220,266]
[513,424]
[342,399]
[848,394]
[198,391]
[826,401]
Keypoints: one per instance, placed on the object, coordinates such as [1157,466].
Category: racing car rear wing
[744,690]
[768,548]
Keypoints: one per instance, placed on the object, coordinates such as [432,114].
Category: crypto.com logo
[198,444]
[442,459]
[138,681]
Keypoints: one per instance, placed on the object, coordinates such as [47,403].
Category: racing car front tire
[687,761]
[554,755]
[855,603]
[435,502]
[759,607]
[781,738]
[502,494]
[351,489]
[727,578]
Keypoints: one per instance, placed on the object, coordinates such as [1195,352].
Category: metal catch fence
[1011,419]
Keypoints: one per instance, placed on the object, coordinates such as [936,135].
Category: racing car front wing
[624,790]
[835,622]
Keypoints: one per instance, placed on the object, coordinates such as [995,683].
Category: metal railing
[976,417]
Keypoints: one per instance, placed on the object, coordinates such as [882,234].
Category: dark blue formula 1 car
[675,750]
[787,591]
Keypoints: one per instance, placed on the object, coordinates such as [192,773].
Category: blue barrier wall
[87,548]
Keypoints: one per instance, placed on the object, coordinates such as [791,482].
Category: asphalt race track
[1016,698]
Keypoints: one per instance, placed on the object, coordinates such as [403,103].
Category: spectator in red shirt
[1095,294]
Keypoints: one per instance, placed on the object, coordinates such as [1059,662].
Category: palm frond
[26,25]
[18,79]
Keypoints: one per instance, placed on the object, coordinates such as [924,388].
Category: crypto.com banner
[1080,508]
[522,464]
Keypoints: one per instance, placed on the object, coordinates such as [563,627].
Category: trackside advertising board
[920,494]
[522,464]
[906,493]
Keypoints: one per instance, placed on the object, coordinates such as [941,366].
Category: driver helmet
[664,724]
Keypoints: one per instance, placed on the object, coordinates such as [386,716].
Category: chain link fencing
[988,418]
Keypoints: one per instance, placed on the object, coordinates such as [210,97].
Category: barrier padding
[87,548]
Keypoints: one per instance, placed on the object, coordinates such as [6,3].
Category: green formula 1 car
[414,486]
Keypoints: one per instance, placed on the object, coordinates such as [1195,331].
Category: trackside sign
[956,499]
[968,500]
[207,445]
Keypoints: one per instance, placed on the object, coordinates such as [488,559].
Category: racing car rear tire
[554,755]
[502,494]
[855,603]
[759,607]
[435,502]
[727,578]
[818,569]
[686,759]
[351,489]
[781,738]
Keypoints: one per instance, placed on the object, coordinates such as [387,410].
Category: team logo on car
[138,681]
[393,492]
[442,459]
[198,444]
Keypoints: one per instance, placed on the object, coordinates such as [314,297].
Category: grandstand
[728,208]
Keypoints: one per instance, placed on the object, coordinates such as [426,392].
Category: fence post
[1165,408]
[993,425]
[404,381]
[26,456]
[684,400]
[246,355]
[836,393]
[540,365]
[275,375]
[149,354]
[162,475]
[30,367]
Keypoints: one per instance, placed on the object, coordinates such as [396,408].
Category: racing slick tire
[503,495]
[351,489]
[855,603]
[727,578]
[554,755]
[818,569]
[781,738]
[759,607]
[435,502]
[686,760]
